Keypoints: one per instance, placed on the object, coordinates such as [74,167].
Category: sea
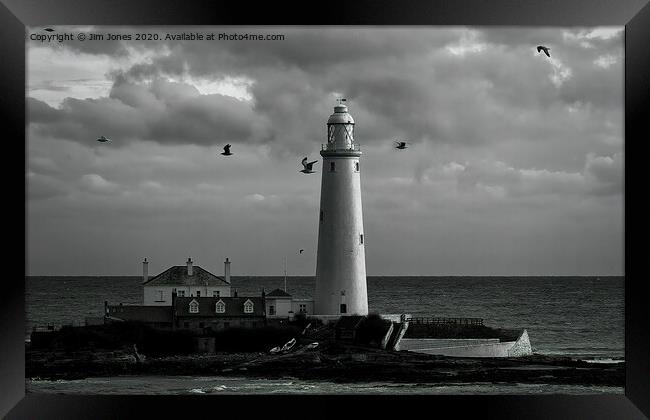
[578,317]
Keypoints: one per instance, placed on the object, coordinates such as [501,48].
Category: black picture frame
[16,14]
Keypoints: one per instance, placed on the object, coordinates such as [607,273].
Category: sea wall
[521,347]
[488,347]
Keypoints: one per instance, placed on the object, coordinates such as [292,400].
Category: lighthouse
[341,260]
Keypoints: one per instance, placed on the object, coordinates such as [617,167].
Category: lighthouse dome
[340,115]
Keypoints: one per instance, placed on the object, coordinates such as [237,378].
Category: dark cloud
[509,151]
[160,111]
[39,112]
[41,186]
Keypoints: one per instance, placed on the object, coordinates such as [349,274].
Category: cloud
[601,175]
[505,145]
[605,173]
[160,111]
[605,61]
[40,186]
[97,184]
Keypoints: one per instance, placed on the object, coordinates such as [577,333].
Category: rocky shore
[333,362]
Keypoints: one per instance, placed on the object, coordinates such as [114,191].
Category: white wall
[295,306]
[282,307]
[341,260]
[490,347]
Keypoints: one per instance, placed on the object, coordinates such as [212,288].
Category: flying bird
[400,145]
[226,150]
[49,29]
[307,166]
[301,250]
[543,48]
[103,139]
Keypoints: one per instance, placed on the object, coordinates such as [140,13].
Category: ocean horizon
[576,316]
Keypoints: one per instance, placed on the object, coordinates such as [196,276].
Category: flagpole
[285,273]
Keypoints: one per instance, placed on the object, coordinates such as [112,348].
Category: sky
[514,167]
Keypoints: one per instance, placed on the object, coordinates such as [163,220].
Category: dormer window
[220,307]
[248,307]
[194,307]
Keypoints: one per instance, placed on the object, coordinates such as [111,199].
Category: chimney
[190,271]
[145,271]
[226,270]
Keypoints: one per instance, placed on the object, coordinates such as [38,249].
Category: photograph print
[227,210]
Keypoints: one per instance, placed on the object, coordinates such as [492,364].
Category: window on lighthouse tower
[332,166]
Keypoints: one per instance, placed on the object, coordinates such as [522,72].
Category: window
[160,296]
[248,307]
[361,238]
[181,293]
[220,307]
[356,166]
[194,307]
[198,293]
[332,166]
[303,308]
[321,215]
[271,310]
[344,308]
[216,293]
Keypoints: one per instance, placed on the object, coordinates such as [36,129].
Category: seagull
[226,150]
[543,48]
[49,29]
[308,166]
[400,145]
[103,139]
[301,250]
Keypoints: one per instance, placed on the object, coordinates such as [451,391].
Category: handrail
[332,146]
[437,320]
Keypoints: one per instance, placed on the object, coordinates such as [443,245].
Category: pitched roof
[141,313]
[177,275]
[208,305]
[278,293]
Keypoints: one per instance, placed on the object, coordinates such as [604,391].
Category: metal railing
[440,321]
[332,146]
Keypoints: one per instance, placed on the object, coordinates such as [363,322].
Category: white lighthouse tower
[341,262]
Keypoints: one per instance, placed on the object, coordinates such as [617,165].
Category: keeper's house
[186,281]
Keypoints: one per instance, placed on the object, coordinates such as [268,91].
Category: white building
[280,304]
[341,262]
[186,281]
